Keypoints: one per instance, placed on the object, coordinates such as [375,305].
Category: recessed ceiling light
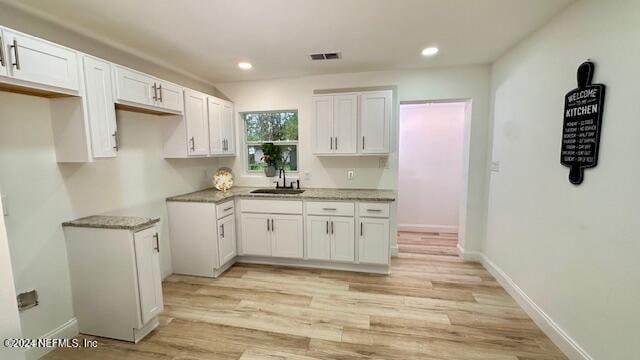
[245,65]
[430,51]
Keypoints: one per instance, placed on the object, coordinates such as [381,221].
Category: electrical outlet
[495,166]
[351,174]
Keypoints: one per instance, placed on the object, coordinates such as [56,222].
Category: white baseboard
[394,250]
[559,337]
[471,256]
[427,228]
[67,330]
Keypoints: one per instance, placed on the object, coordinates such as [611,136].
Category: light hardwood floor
[432,306]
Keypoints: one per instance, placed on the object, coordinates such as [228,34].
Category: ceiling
[207,38]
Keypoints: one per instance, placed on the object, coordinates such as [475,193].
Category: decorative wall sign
[583,108]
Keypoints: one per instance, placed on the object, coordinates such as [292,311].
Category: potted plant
[271,155]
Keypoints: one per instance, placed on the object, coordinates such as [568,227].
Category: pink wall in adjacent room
[430,179]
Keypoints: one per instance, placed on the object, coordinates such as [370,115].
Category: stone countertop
[113,222]
[212,195]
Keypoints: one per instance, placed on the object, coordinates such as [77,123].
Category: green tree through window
[278,127]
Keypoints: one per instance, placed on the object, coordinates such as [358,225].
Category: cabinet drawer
[271,206]
[373,210]
[331,208]
[224,209]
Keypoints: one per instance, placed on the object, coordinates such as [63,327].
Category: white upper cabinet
[134,87]
[323,124]
[221,127]
[168,96]
[39,61]
[197,123]
[352,124]
[100,107]
[375,122]
[147,250]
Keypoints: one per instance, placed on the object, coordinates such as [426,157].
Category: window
[277,127]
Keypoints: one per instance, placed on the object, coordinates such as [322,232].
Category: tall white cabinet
[352,123]
[100,110]
[115,279]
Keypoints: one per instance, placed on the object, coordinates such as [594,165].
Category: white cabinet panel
[323,124]
[375,122]
[147,250]
[342,239]
[216,131]
[100,107]
[345,124]
[169,96]
[39,61]
[4,60]
[227,239]
[373,245]
[133,87]
[256,234]
[286,236]
[318,239]
[197,122]
[228,128]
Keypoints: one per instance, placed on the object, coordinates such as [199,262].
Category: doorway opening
[432,176]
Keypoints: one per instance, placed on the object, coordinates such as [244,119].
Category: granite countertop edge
[113,222]
[211,195]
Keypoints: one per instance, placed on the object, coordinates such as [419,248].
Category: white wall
[572,249]
[471,82]
[430,166]
[9,318]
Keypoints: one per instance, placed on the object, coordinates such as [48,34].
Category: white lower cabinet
[330,238]
[201,244]
[115,280]
[274,235]
[373,244]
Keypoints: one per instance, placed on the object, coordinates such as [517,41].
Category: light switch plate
[351,174]
[495,166]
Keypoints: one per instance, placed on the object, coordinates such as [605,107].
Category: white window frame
[246,144]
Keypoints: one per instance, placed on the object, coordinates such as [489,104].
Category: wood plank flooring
[432,306]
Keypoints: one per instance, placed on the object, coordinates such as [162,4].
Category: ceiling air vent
[325,56]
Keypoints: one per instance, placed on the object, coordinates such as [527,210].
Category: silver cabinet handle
[268,225]
[222,230]
[155,92]
[160,91]
[332,227]
[361,232]
[272,227]
[336,142]
[363,142]
[1,52]
[374,210]
[331,143]
[16,56]
[193,143]
[329,209]
[115,139]
[327,231]
[227,209]
[157,238]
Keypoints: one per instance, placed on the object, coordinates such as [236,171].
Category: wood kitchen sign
[583,109]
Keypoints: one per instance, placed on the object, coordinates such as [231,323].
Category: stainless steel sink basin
[278,191]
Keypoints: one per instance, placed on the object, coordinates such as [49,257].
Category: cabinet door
[286,236]
[345,124]
[256,234]
[197,122]
[134,87]
[227,239]
[169,96]
[147,249]
[323,124]
[343,245]
[318,238]
[100,107]
[375,122]
[228,126]
[39,61]
[4,59]
[373,244]
[216,127]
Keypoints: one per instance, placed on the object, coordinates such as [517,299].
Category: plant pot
[270,171]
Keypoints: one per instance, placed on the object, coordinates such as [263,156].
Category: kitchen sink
[278,191]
